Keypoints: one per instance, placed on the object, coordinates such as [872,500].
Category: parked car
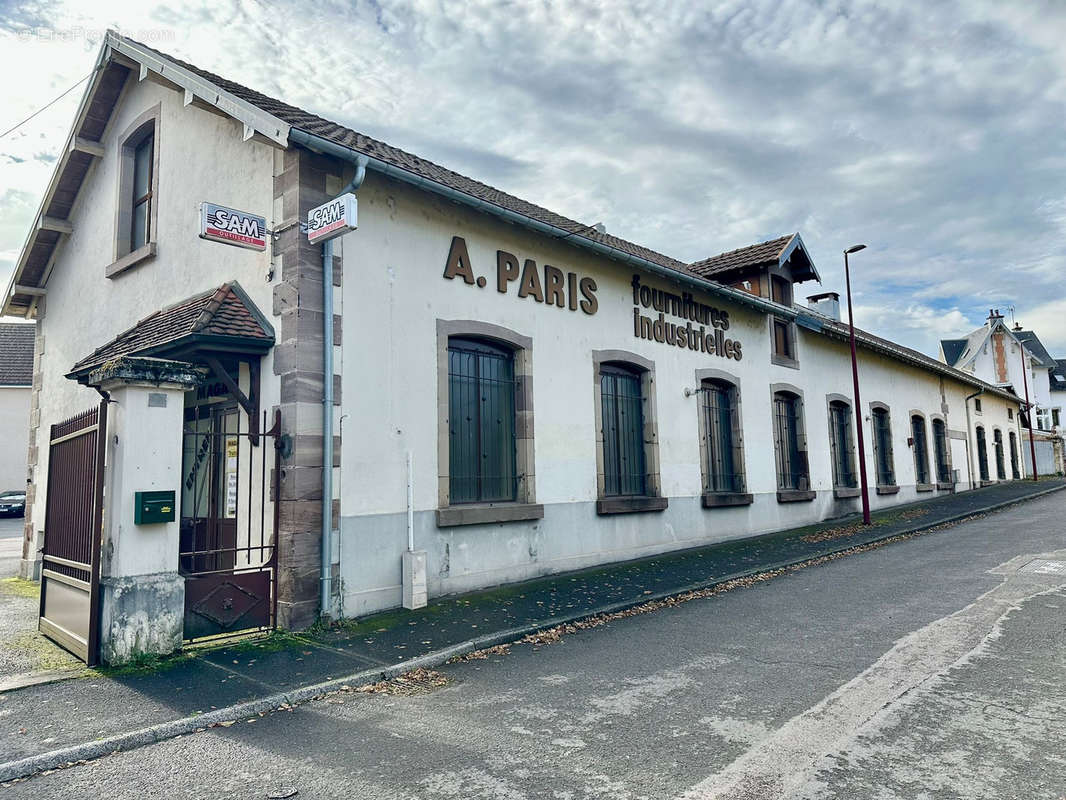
[13,504]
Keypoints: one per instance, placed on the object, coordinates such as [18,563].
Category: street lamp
[855,380]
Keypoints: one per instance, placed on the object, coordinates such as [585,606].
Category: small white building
[508,393]
[16,375]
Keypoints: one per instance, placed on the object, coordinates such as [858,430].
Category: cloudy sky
[932,132]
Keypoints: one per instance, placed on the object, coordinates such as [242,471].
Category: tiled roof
[225,311]
[755,255]
[953,349]
[312,123]
[1058,376]
[16,353]
[1036,347]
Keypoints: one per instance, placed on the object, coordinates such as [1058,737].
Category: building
[16,375]
[507,392]
[994,353]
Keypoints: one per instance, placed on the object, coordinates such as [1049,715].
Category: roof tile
[16,353]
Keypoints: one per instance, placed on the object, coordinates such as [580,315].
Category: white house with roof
[16,378]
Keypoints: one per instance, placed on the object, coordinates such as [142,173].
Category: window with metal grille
[1014,456]
[886,473]
[841,445]
[997,444]
[791,459]
[940,451]
[921,450]
[141,219]
[481,417]
[622,408]
[721,426]
[982,453]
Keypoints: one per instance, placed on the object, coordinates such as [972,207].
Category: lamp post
[855,380]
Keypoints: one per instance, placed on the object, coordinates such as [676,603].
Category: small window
[783,339]
[1054,417]
[1010,413]
[977,404]
[622,407]
[781,290]
[886,474]
[982,453]
[940,451]
[481,413]
[1014,456]
[842,445]
[792,471]
[997,443]
[921,450]
[141,208]
[723,465]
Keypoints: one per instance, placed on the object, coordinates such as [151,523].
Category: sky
[931,132]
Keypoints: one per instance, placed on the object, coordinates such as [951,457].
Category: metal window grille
[997,441]
[481,431]
[886,475]
[940,449]
[1014,456]
[841,441]
[721,425]
[982,454]
[622,406]
[791,461]
[921,450]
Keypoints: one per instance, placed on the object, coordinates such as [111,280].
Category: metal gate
[229,516]
[70,570]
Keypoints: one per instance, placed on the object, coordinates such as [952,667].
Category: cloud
[931,133]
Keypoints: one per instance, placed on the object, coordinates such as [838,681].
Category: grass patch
[144,664]
[43,654]
[18,587]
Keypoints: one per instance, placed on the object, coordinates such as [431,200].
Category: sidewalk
[44,718]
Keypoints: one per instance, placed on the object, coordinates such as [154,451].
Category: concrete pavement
[925,668]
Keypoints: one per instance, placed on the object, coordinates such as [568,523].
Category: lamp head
[854,249]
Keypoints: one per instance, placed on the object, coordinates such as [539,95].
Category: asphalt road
[929,668]
[11,527]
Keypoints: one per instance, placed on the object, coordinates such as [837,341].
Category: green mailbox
[153,507]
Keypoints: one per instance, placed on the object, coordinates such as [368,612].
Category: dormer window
[781,290]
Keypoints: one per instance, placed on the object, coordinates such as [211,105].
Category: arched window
[1014,456]
[982,453]
[997,441]
[842,445]
[882,426]
[792,470]
[921,450]
[941,451]
[720,425]
[622,415]
[481,413]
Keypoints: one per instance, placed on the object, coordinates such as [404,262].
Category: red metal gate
[229,519]
[70,570]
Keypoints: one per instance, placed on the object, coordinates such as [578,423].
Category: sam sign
[230,226]
[332,219]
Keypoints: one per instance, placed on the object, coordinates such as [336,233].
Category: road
[929,668]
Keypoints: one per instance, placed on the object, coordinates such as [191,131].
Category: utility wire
[46,107]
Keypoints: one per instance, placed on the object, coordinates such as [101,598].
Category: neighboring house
[16,377]
[1016,360]
[677,404]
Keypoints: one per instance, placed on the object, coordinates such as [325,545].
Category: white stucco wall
[393,295]
[14,436]
[201,157]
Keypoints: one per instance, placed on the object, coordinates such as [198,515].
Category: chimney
[993,317]
[826,303]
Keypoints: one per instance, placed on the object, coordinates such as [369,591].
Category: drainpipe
[1029,413]
[326,580]
[969,428]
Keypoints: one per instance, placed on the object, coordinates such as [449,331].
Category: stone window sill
[942,486]
[924,487]
[724,499]
[480,514]
[795,495]
[784,361]
[842,492]
[888,489]
[630,505]
[131,260]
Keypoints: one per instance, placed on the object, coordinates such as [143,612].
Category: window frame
[882,487]
[944,478]
[524,506]
[981,454]
[997,450]
[920,456]
[802,490]
[652,499]
[1012,437]
[720,496]
[838,405]
[125,255]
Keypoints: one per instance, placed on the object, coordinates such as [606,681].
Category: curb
[163,731]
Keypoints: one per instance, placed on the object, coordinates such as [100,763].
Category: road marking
[783,761]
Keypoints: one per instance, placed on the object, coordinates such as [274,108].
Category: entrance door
[228,520]
[70,569]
